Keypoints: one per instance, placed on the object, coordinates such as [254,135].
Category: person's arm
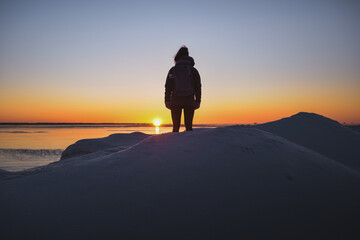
[169,87]
[197,87]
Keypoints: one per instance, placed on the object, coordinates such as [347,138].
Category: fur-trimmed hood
[187,60]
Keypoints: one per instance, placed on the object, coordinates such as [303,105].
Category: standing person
[183,89]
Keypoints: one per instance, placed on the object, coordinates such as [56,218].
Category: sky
[107,61]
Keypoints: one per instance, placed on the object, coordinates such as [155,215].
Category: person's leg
[188,116]
[176,118]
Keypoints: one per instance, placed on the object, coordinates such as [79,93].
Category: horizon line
[134,123]
[107,123]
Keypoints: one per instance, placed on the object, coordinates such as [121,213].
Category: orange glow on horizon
[19,105]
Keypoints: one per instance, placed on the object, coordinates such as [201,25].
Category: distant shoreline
[60,123]
[105,125]
[141,124]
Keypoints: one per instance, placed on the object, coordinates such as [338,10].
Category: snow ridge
[224,183]
[320,134]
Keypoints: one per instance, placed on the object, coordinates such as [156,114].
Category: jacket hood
[187,60]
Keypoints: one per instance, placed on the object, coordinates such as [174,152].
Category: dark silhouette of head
[183,52]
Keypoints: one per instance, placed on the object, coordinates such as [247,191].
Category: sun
[157,122]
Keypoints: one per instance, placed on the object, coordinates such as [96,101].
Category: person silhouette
[183,89]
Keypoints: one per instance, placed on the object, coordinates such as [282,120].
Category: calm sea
[32,145]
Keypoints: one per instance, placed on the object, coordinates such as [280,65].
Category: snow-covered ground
[320,134]
[112,143]
[224,183]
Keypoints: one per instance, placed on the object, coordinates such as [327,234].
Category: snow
[223,183]
[320,134]
[114,142]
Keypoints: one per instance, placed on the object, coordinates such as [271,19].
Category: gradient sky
[106,61]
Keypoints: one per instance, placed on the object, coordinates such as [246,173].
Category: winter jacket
[170,85]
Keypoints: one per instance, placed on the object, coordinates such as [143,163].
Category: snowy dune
[112,143]
[223,183]
[320,134]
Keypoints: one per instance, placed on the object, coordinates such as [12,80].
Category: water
[27,146]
